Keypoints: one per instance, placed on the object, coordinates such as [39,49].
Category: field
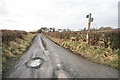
[103,46]
[14,44]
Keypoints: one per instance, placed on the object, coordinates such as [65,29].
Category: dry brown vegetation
[106,38]
[10,35]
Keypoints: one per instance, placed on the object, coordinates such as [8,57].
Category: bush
[110,38]
[10,35]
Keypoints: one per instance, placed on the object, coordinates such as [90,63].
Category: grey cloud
[60,13]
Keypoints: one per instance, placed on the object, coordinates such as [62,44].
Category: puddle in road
[34,62]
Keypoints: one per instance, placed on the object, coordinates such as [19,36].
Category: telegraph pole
[90,19]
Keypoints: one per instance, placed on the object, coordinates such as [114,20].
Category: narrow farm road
[56,62]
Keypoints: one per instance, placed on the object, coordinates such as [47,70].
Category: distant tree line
[45,29]
[99,29]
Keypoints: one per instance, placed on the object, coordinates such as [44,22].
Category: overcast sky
[30,15]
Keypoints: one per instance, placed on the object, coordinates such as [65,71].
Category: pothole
[34,62]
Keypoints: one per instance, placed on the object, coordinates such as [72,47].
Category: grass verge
[14,50]
[44,44]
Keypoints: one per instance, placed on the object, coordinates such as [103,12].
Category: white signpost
[90,19]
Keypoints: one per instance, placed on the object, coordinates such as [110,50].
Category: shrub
[10,35]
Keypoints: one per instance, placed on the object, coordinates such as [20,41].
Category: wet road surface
[56,62]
